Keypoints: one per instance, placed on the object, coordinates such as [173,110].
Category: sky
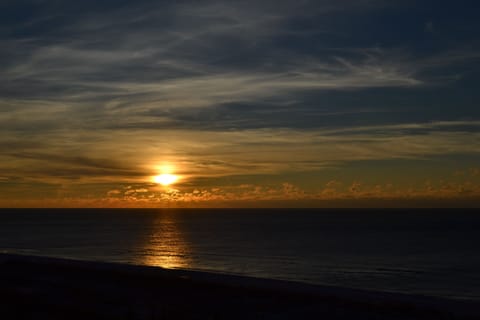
[248,103]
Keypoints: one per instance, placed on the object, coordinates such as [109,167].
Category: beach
[35,287]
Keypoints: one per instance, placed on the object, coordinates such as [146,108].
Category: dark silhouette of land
[48,288]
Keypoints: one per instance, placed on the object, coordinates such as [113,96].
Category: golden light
[165,179]
[167,246]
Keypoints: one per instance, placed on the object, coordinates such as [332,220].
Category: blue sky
[243,100]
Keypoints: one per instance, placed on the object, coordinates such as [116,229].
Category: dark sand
[48,288]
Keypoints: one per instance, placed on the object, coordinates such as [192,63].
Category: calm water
[434,252]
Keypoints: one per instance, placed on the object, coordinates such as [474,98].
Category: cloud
[353,193]
[80,77]
[134,155]
[355,187]
[113,192]
[290,192]
[102,93]
[195,52]
[181,65]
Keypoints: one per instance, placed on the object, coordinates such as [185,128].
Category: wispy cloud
[105,93]
[216,153]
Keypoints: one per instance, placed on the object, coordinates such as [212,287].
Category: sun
[165,179]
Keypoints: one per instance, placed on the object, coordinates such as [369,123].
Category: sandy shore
[50,288]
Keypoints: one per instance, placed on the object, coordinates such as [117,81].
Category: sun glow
[165,179]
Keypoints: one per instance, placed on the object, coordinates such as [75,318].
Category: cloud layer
[107,93]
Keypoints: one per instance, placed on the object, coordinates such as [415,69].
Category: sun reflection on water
[166,247]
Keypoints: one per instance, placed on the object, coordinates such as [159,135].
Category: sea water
[433,252]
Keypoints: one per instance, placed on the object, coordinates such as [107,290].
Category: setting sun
[165,179]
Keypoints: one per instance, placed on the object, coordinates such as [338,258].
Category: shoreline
[50,288]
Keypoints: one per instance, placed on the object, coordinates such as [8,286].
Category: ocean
[433,252]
